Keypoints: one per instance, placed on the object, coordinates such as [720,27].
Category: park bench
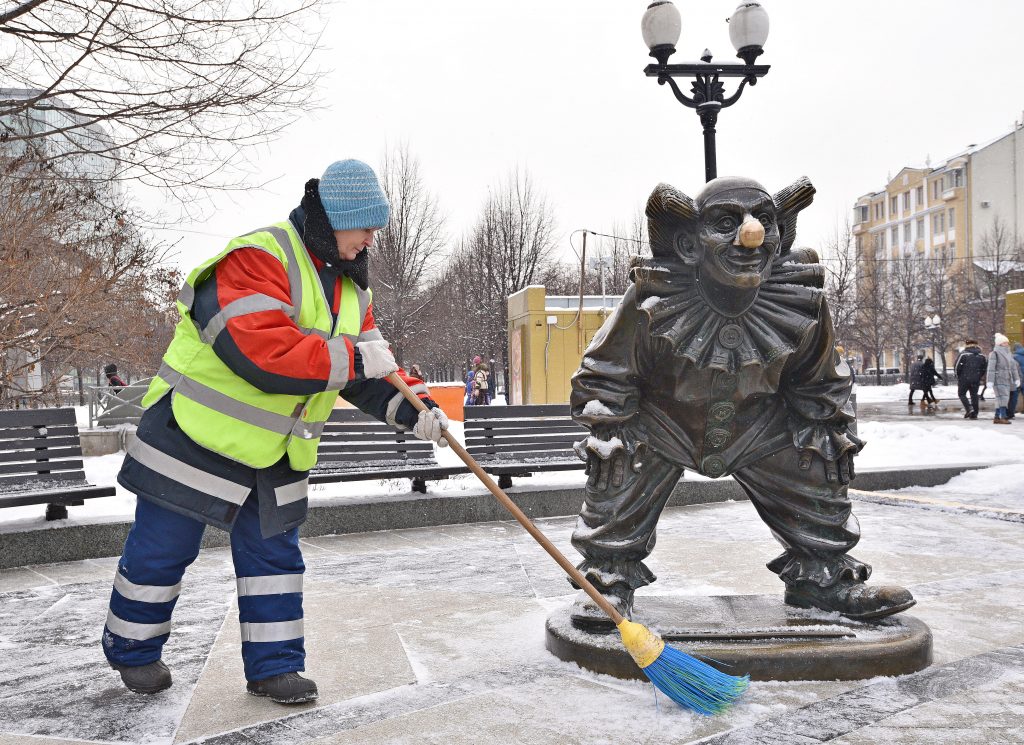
[40,461]
[511,441]
[356,447]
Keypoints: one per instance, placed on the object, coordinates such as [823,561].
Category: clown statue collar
[723,287]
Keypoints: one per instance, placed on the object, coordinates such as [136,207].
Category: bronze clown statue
[721,358]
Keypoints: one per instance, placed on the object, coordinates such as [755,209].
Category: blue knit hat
[351,196]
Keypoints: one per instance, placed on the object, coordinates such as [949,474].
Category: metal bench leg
[419,485]
[56,512]
[504,481]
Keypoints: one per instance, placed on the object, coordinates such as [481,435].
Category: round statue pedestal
[757,635]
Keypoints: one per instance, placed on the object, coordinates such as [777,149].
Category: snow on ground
[890,444]
[876,394]
[999,486]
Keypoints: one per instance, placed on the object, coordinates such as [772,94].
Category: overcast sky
[856,91]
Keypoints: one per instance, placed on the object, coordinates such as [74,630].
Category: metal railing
[109,409]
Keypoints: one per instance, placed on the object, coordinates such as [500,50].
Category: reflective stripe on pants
[161,545]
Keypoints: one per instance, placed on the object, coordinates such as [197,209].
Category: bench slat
[29,433]
[66,493]
[503,426]
[357,447]
[40,455]
[30,417]
[38,442]
[41,466]
[383,437]
[374,457]
[18,482]
[521,450]
[517,412]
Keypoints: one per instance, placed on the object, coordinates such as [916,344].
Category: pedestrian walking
[1018,393]
[970,369]
[272,328]
[1004,375]
[914,378]
[928,376]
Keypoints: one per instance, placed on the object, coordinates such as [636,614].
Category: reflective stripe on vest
[183,473]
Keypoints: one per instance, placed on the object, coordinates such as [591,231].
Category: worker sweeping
[272,329]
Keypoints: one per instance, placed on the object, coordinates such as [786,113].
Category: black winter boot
[854,600]
[151,678]
[287,688]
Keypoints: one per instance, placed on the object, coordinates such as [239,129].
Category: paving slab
[437,635]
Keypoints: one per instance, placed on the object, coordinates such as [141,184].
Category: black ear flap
[671,224]
[788,203]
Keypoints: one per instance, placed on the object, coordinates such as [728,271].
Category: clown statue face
[737,240]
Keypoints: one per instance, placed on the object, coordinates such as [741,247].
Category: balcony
[950,193]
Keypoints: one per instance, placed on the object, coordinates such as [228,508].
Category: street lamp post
[748,31]
[932,325]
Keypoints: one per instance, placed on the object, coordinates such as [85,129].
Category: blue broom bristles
[694,684]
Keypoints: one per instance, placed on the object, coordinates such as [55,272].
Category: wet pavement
[436,635]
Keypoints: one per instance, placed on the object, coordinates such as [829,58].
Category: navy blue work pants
[160,546]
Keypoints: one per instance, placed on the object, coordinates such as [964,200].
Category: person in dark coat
[928,376]
[114,381]
[970,369]
[914,378]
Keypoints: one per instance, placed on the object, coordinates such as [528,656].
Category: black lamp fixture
[748,31]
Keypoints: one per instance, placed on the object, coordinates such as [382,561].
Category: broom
[684,679]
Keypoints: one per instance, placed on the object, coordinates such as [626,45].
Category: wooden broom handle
[512,507]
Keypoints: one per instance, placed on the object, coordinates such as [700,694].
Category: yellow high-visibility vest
[224,413]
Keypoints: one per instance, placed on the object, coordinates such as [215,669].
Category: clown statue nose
[751,233]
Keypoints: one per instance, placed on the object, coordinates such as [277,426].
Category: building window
[879,206]
[906,201]
[919,196]
[952,218]
[937,188]
[879,242]
[955,177]
[920,228]
[895,235]
[950,252]
[860,244]
[892,205]
[906,232]
[938,223]
[862,214]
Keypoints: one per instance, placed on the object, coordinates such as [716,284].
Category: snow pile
[891,444]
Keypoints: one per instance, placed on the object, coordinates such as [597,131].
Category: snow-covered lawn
[889,445]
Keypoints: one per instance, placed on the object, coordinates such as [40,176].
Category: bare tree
[873,330]
[840,261]
[166,92]
[908,284]
[998,266]
[80,283]
[508,249]
[406,250]
[949,297]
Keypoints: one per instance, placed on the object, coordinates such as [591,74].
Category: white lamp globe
[661,26]
[748,30]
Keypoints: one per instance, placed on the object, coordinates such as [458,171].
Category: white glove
[378,362]
[429,426]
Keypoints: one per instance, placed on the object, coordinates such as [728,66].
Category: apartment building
[944,213]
